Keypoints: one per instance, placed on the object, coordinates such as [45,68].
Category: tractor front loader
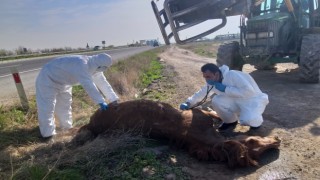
[271,31]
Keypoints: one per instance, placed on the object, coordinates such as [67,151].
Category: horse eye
[251,141]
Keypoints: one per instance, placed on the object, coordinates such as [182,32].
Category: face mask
[101,68]
[210,82]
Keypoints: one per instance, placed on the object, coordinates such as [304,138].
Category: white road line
[20,72]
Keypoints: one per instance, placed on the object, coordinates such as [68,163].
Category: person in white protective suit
[237,97]
[54,88]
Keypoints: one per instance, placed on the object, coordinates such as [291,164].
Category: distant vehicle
[155,43]
[96,48]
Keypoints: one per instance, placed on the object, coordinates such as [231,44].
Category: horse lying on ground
[192,129]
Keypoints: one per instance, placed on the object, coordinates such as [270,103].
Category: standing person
[54,88]
[237,97]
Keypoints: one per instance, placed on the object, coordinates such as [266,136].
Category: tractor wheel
[309,59]
[229,54]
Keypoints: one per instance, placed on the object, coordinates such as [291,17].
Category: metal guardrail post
[20,89]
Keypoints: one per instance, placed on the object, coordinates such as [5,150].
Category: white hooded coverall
[54,88]
[242,99]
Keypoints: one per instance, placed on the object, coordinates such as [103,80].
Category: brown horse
[192,128]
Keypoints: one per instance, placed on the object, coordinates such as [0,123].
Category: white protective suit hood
[224,70]
[99,62]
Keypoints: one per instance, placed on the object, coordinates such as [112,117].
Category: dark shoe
[49,139]
[254,128]
[225,126]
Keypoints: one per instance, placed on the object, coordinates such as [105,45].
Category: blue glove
[217,85]
[220,87]
[184,106]
[103,106]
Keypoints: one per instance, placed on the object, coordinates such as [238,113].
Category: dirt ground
[293,115]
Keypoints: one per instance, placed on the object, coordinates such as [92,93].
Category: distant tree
[45,50]
[57,50]
[21,50]
[68,48]
[3,52]
[30,51]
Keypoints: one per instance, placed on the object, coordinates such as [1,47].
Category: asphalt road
[29,69]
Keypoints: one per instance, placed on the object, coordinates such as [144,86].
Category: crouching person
[54,88]
[237,97]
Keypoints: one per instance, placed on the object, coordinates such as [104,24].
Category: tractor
[271,31]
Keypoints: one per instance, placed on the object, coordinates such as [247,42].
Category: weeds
[152,73]
[13,115]
[208,49]
[18,126]
[131,76]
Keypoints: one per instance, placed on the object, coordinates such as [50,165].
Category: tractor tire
[229,54]
[310,59]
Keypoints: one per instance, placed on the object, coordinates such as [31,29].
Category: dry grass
[122,83]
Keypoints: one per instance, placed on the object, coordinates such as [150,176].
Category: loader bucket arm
[183,14]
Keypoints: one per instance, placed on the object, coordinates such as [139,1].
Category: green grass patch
[203,52]
[153,72]
[15,116]
[18,126]
[81,100]
[12,115]
[40,172]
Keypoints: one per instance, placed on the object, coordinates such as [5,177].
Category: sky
[47,24]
